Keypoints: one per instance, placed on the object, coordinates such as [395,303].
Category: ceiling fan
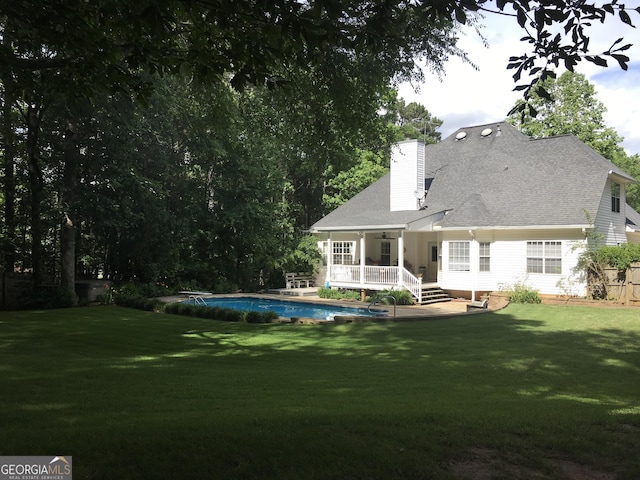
[384,236]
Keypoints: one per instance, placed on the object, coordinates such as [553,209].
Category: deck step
[433,294]
[428,301]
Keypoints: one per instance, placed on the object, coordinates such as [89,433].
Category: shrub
[106,298]
[336,294]
[56,298]
[138,289]
[137,302]
[403,297]
[260,317]
[150,304]
[594,262]
[178,308]
[229,314]
[211,313]
[304,258]
[618,256]
[520,292]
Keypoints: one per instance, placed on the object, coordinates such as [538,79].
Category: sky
[465,97]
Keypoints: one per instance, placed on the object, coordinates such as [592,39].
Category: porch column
[400,256]
[473,263]
[363,258]
[327,279]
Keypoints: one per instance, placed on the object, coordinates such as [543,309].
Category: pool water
[289,309]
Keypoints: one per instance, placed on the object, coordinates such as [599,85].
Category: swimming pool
[289,309]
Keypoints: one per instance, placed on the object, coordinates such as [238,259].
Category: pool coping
[453,308]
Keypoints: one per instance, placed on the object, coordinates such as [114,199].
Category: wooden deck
[295,292]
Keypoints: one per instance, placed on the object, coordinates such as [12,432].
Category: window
[485,257]
[552,257]
[535,255]
[458,256]
[343,253]
[544,257]
[615,197]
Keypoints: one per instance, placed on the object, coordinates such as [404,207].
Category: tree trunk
[68,259]
[33,118]
[9,232]
[67,228]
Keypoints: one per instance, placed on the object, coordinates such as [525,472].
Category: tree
[344,53]
[402,121]
[252,40]
[136,191]
[348,183]
[106,47]
[415,121]
[568,105]
[8,244]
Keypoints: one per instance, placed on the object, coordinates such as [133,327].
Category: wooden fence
[624,287]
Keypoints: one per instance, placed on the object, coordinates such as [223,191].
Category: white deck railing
[345,274]
[381,275]
[412,283]
[375,276]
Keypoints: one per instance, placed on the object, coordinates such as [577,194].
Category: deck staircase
[432,293]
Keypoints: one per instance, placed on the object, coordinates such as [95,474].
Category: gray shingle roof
[501,180]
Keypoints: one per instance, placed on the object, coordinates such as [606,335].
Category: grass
[533,391]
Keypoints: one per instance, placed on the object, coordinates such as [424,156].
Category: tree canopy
[258,41]
[415,121]
[568,105]
[186,141]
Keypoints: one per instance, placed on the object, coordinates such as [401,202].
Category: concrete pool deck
[453,308]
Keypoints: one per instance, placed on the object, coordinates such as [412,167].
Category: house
[485,208]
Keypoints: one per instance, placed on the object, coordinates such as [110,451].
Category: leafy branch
[568,47]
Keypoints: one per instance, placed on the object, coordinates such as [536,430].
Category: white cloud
[621,95]
[468,97]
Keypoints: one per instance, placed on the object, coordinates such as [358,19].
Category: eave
[359,228]
[515,227]
[621,178]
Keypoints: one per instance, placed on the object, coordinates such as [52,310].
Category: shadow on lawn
[158,393]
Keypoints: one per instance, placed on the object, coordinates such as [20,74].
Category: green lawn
[542,392]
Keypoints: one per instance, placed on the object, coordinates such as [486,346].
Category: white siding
[407,175]
[509,262]
[454,280]
[608,223]
[484,280]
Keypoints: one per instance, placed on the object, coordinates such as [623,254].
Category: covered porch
[383,260]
